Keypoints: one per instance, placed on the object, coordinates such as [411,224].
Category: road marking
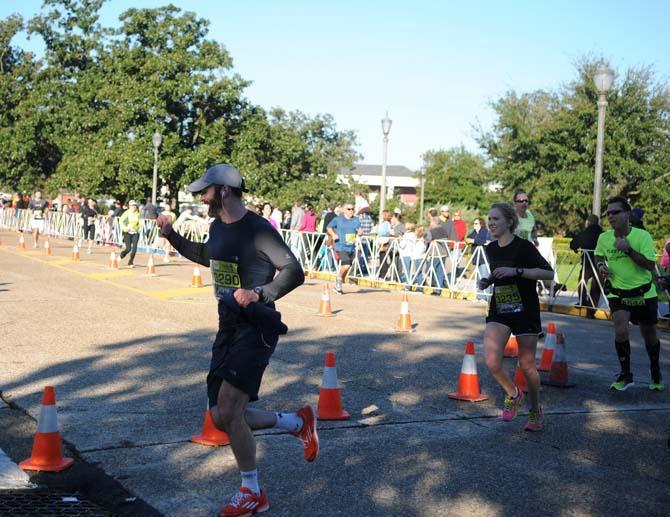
[105,278]
[174,293]
[11,476]
[108,274]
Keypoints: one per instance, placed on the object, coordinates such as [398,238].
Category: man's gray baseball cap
[221,174]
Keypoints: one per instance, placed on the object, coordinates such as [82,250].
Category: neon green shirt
[626,274]
[130,221]
[526,225]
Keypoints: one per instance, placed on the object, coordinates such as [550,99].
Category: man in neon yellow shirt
[130,226]
[526,228]
[625,257]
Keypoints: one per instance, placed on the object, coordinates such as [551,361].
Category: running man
[625,258]
[344,229]
[244,252]
[516,266]
[38,208]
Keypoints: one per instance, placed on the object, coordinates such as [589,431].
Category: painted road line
[11,476]
[105,278]
[109,274]
[174,293]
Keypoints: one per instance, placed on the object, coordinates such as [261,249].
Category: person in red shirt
[460,226]
[308,220]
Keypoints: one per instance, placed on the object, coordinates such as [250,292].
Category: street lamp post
[386,128]
[422,181]
[156,140]
[604,77]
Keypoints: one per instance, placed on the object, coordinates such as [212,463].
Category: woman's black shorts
[519,323]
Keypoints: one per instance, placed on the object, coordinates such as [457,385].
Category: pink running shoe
[511,405]
[245,503]
[535,420]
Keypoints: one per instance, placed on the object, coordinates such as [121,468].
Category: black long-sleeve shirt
[244,254]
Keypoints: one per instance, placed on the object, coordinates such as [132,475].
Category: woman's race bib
[508,299]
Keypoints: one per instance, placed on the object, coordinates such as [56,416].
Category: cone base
[468,398]
[508,355]
[53,467]
[208,440]
[343,415]
[405,331]
[331,315]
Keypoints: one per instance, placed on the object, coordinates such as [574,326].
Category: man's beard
[215,205]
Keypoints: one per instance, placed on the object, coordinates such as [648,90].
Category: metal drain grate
[33,503]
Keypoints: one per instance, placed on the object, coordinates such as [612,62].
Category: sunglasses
[522,200]
[613,212]
[348,208]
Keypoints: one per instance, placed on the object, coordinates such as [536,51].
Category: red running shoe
[245,503]
[307,435]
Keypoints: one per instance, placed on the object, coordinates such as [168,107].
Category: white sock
[288,422]
[250,481]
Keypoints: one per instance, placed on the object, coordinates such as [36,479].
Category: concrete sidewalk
[128,355]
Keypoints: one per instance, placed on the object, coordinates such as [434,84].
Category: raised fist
[165,224]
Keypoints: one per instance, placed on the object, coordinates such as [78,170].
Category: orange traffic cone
[324,307]
[151,268]
[47,454]
[22,242]
[511,348]
[196,281]
[330,402]
[113,261]
[75,253]
[558,376]
[468,382]
[404,323]
[47,249]
[520,379]
[548,349]
[210,435]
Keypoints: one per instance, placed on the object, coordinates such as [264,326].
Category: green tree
[545,143]
[456,176]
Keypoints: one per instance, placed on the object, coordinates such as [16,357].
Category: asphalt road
[128,355]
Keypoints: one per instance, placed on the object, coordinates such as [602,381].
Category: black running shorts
[240,354]
[647,314]
[346,257]
[89,232]
[520,324]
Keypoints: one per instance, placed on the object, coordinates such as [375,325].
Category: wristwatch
[259,291]
[519,271]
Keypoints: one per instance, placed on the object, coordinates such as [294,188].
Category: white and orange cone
[151,268]
[511,347]
[548,349]
[210,435]
[75,253]
[468,381]
[47,453]
[47,249]
[404,323]
[558,375]
[325,308]
[22,242]
[196,280]
[113,261]
[330,400]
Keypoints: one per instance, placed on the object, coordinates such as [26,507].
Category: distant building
[401,182]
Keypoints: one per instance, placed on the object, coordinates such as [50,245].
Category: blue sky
[433,65]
